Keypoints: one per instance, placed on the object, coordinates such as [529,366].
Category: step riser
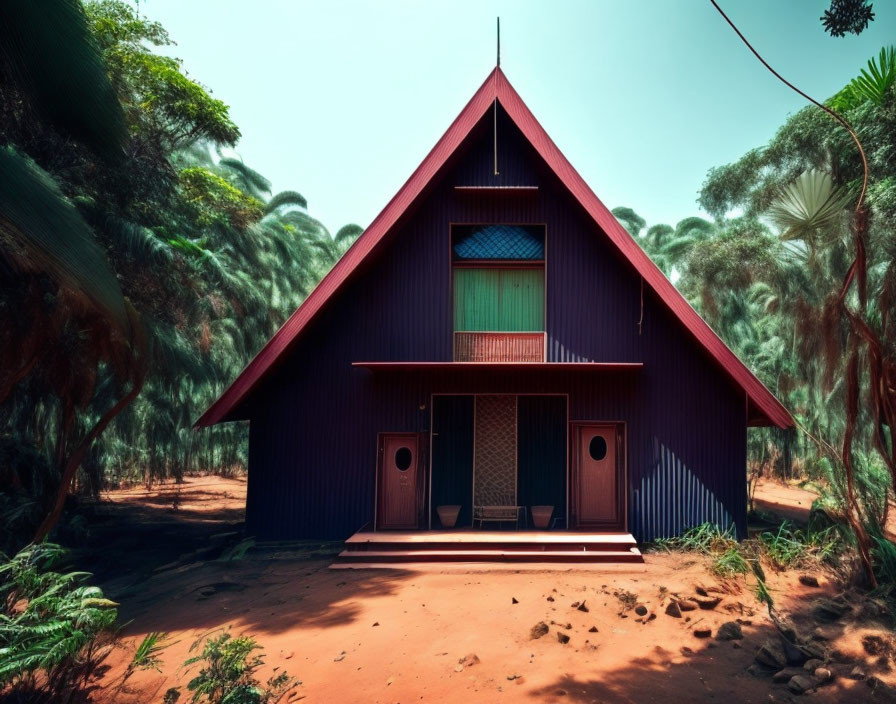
[474,547]
[586,558]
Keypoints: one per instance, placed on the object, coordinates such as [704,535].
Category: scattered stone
[823,674]
[874,644]
[513,600]
[641,610]
[593,629]
[582,607]
[708,602]
[538,630]
[686,651]
[857,673]
[771,654]
[814,650]
[809,580]
[562,637]
[574,605]
[550,598]
[729,630]
[811,664]
[757,670]
[702,632]
[375,623]
[829,609]
[784,676]
[469,660]
[687,605]
[651,617]
[513,677]
[673,610]
[801,683]
[339,657]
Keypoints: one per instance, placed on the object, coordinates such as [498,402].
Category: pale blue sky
[341,100]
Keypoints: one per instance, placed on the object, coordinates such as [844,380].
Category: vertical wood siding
[314,422]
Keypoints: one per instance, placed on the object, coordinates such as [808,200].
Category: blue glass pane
[499,242]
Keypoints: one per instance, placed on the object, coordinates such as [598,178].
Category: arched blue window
[498,242]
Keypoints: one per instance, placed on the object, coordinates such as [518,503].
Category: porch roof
[491,366]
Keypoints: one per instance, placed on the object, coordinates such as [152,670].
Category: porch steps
[393,549]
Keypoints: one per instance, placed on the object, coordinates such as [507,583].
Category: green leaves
[42,232]
[880,76]
[55,62]
[807,205]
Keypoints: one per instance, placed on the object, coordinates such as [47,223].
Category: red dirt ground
[398,636]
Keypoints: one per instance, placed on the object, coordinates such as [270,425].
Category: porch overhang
[496,366]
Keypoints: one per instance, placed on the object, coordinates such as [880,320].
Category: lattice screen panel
[495,454]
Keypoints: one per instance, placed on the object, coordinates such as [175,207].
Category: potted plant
[541,516]
[448,515]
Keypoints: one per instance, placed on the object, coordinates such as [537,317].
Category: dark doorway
[452,456]
[542,454]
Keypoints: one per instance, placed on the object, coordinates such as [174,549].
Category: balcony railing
[499,346]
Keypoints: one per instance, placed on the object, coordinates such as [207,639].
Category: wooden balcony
[499,346]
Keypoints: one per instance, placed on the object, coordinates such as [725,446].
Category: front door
[399,481]
[599,478]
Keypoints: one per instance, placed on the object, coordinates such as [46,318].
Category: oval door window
[403,458]
[597,448]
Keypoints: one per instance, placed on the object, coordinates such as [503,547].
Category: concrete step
[458,554]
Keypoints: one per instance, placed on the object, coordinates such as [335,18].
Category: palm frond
[808,204]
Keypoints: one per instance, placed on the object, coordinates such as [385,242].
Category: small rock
[829,609]
[801,683]
[810,580]
[513,677]
[708,602]
[513,600]
[339,657]
[687,605]
[784,676]
[582,607]
[811,664]
[814,650]
[641,610]
[857,673]
[730,630]
[673,610]
[757,670]
[593,629]
[702,632]
[469,660]
[686,651]
[375,624]
[823,674]
[538,630]
[550,598]
[650,618]
[562,637]
[771,654]
[874,644]
[574,605]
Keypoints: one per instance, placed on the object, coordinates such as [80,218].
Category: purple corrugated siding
[314,421]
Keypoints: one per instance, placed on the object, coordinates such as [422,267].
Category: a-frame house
[495,349]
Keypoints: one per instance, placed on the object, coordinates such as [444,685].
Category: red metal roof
[496,86]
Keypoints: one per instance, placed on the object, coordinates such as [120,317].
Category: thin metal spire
[499,41]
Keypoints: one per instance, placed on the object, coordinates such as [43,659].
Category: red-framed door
[598,476]
[400,481]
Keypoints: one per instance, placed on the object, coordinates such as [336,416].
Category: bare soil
[403,636]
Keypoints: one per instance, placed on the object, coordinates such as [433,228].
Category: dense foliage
[142,263]
[55,629]
[770,280]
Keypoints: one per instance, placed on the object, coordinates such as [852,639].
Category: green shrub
[227,675]
[54,629]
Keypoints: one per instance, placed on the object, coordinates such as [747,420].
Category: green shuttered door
[499,300]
